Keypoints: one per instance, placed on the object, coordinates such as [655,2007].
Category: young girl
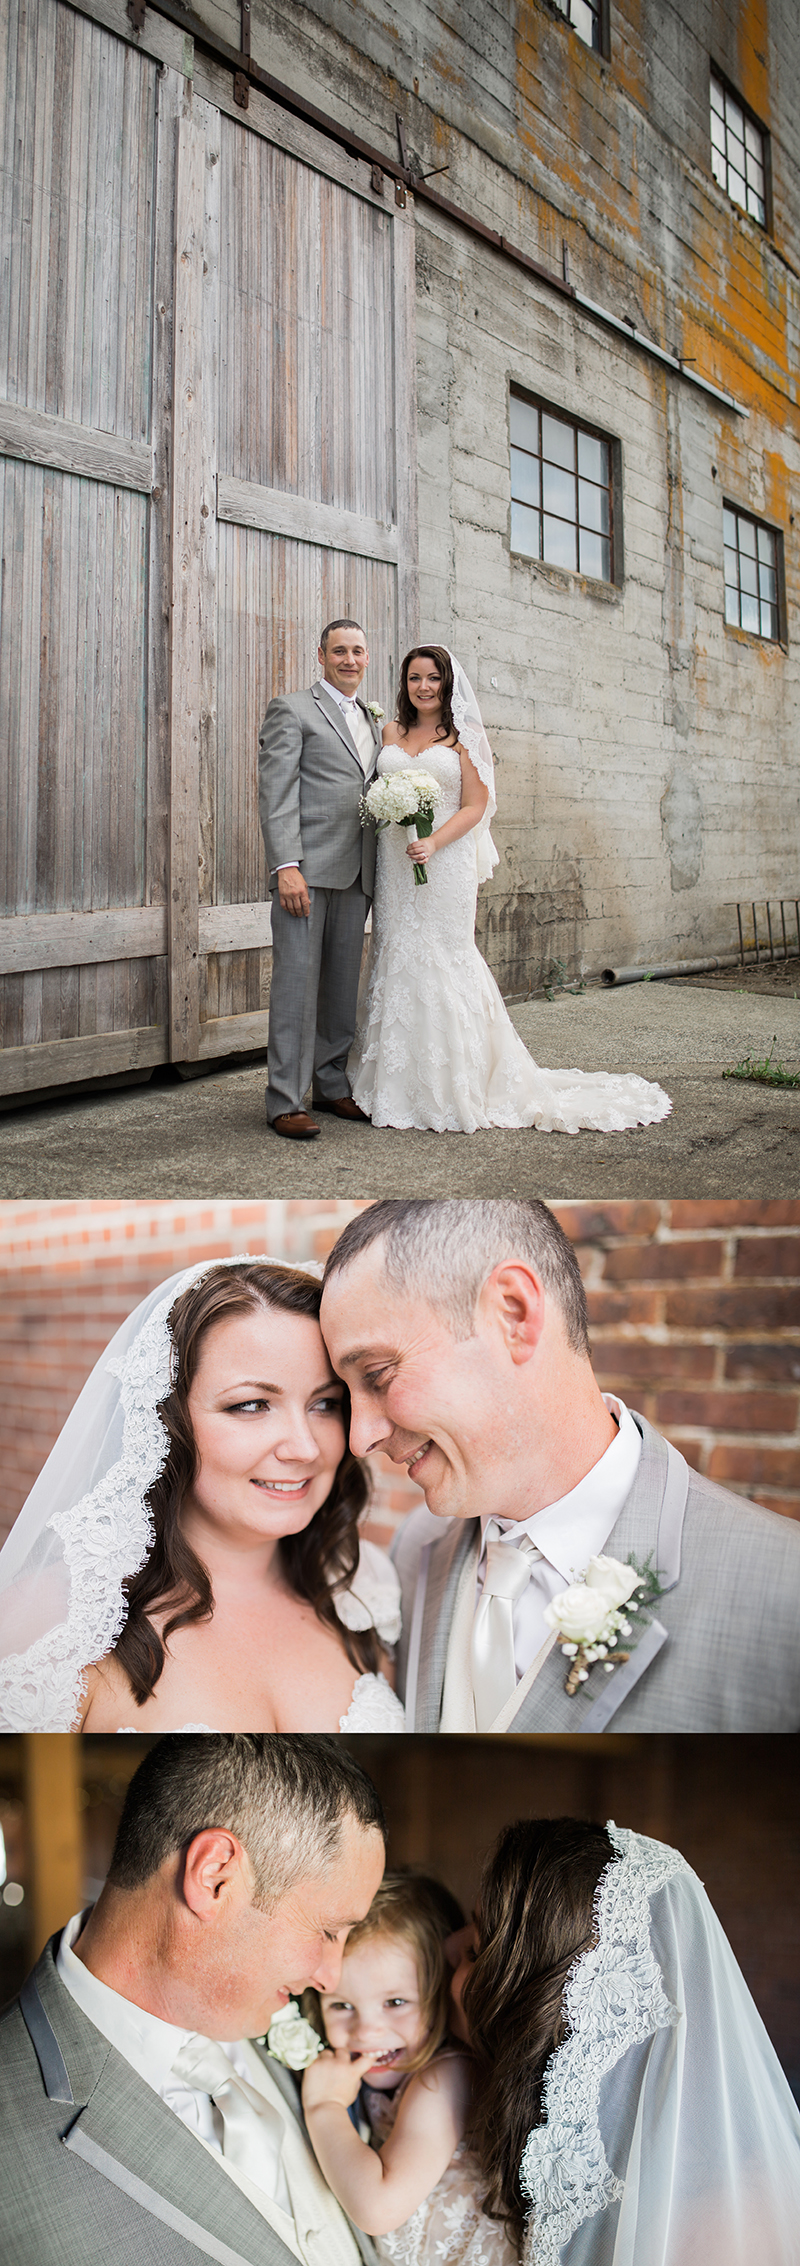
[402,2172]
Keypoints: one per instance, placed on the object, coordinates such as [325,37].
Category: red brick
[756,1464]
[694,1451]
[729,1309]
[662,1262]
[594,1223]
[633,1306]
[728,1412]
[760,1255]
[787,1506]
[776,1361]
[732,1215]
[633,1363]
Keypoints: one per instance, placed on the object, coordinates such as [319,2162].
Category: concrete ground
[208,1137]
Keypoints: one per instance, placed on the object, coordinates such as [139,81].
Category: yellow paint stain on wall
[753,51]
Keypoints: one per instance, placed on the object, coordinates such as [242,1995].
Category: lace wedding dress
[434,1047]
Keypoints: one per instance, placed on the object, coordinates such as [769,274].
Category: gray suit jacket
[721,1653]
[94,2167]
[310,781]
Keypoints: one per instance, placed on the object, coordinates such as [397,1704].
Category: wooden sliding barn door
[206,450]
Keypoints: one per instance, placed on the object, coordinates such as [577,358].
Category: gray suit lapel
[120,2128]
[333,715]
[649,1526]
[445,1559]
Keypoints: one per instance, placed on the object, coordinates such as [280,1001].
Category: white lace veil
[85,1525]
[469,725]
[670,2136]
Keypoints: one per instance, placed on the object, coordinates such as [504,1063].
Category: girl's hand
[422,851]
[334,2077]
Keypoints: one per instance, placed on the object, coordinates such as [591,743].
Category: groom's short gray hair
[285,1799]
[443,1248]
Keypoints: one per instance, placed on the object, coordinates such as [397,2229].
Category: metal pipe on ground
[609,976]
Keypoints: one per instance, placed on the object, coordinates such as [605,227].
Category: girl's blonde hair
[411,1909]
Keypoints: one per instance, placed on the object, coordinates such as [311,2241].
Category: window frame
[547,408]
[751,117]
[743,511]
[604,25]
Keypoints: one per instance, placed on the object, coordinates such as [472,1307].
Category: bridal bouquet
[408,798]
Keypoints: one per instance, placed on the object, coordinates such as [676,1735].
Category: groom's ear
[513,1303]
[212,1865]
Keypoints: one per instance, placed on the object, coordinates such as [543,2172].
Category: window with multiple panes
[751,573]
[561,491]
[586,18]
[738,155]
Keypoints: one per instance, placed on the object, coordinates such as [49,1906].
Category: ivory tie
[264,2145]
[252,2130]
[360,732]
[509,1567]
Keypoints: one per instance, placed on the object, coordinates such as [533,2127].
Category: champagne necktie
[252,2130]
[509,1566]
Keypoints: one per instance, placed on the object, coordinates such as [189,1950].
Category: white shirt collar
[149,2044]
[344,699]
[575,1529]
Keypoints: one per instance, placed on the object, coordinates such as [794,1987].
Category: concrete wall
[647,753]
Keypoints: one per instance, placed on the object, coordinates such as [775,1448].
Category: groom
[139,2119]
[318,751]
[460,1328]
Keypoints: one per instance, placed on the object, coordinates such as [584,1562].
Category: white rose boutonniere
[588,1616]
[291,2039]
[376,710]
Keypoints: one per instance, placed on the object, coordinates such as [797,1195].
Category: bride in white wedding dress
[192,1544]
[434,1046]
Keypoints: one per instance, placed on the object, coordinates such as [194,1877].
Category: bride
[434,1047]
[629,2106]
[192,1543]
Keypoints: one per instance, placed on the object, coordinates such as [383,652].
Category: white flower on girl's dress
[292,2040]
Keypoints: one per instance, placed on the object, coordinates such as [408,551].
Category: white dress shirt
[360,731]
[150,2046]
[569,1532]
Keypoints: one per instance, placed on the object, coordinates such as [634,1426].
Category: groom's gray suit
[95,2170]
[721,1653]
[310,780]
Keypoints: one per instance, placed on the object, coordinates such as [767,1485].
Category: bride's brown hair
[406,712]
[535,1917]
[317,1562]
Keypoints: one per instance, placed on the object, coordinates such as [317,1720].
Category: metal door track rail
[246,72]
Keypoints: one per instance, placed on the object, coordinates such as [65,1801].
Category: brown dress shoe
[295,1125]
[344,1106]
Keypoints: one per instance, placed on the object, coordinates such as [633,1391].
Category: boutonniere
[590,1617]
[292,2040]
[376,710]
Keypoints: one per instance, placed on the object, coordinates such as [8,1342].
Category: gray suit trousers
[312,1011]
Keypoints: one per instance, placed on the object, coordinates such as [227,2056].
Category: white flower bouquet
[291,2040]
[588,1617]
[405,798]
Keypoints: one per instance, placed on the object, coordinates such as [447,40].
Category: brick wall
[695,1317]
[694,1311]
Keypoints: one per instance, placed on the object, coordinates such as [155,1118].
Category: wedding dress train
[434,1047]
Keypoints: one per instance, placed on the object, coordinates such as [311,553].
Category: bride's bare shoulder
[107,1690]
[391,735]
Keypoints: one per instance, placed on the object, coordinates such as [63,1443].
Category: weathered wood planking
[275,512]
[132,749]
[60,1062]
[76,219]
[35,439]
[193,413]
[72,691]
